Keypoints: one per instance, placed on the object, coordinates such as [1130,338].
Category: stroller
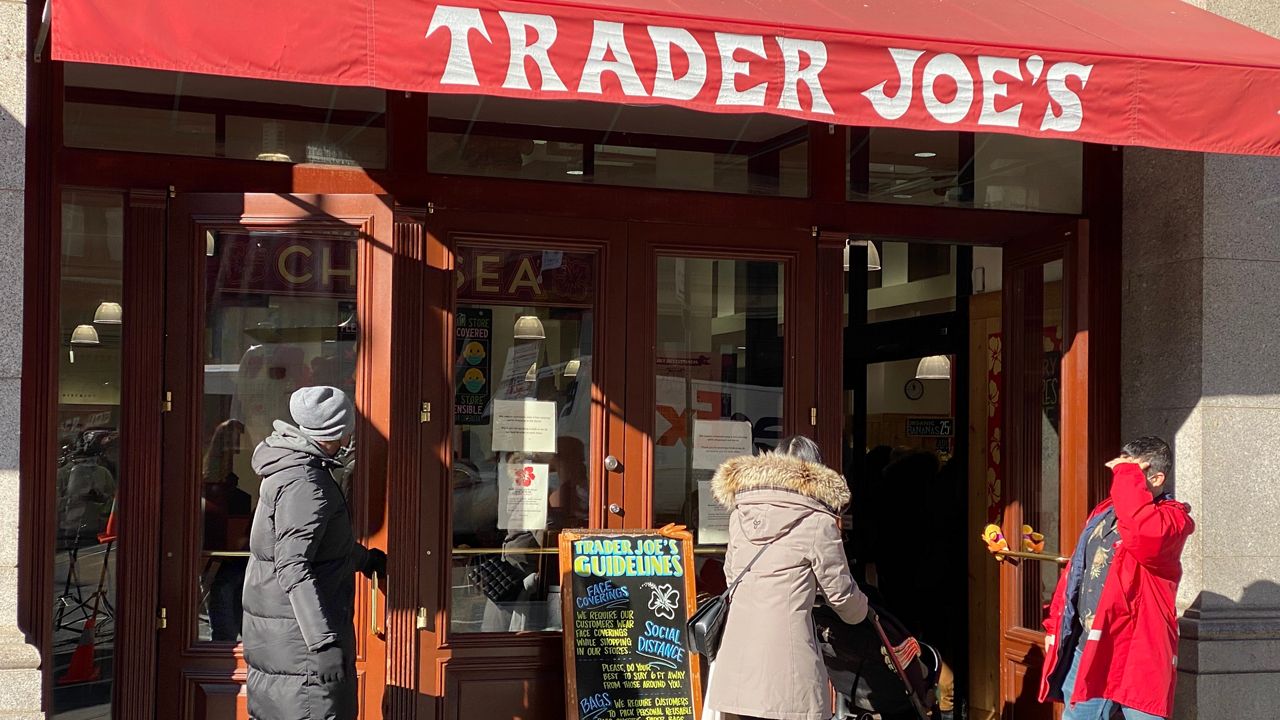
[878,670]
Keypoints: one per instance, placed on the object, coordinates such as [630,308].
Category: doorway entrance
[265,294]
[907,396]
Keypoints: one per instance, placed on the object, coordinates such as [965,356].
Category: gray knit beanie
[322,413]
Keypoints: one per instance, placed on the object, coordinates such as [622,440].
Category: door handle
[375,626]
[616,509]
[612,464]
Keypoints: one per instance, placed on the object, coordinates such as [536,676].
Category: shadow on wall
[1236,644]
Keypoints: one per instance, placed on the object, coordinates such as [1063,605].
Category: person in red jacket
[1112,631]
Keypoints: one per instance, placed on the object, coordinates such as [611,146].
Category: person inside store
[227,513]
[915,517]
[1111,635]
[784,548]
[299,589]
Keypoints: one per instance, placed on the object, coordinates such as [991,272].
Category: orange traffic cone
[84,666]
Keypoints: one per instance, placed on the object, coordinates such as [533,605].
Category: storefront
[576,284]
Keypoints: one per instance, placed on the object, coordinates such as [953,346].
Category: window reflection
[524,339]
[951,169]
[719,380]
[280,315]
[584,142]
[87,480]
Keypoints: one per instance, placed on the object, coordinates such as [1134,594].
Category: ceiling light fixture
[926,155]
[934,367]
[529,327]
[571,368]
[85,335]
[572,172]
[108,313]
[873,255]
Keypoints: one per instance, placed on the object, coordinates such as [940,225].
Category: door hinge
[424,414]
[813,416]
[162,619]
[167,404]
[173,192]
[431,208]
[421,622]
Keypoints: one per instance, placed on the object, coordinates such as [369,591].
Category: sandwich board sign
[628,596]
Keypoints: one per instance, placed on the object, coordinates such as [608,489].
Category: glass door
[530,444]
[267,294]
[724,366]
[1046,426]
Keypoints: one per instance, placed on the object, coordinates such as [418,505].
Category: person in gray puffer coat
[299,589]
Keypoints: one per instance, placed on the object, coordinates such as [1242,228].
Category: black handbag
[497,579]
[706,626]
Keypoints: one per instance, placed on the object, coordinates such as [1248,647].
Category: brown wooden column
[141,401]
[404,480]
[830,347]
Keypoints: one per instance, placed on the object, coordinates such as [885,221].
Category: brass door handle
[375,625]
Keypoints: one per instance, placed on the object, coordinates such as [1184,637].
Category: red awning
[1158,73]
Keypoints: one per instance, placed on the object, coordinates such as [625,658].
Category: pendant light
[873,255]
[571,368]
[529,327]
[108,313]
[934,367]
[85,335]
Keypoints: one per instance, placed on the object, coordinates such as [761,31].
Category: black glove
[331,666]
[375,564]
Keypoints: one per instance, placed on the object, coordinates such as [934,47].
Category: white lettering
[605,38]
[665,82]
[947,65]
[793,75]
[518,25]
[1072,110]
[989,68]
[893,108]
[730,69]
[459,68]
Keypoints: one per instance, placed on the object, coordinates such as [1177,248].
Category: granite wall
[1201,365]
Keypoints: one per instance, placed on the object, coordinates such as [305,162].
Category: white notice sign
[524,426]
[522,496]
[715,441]
[713,518]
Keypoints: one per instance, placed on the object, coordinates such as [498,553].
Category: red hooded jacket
[1131,655]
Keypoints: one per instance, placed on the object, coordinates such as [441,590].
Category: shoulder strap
[734,585]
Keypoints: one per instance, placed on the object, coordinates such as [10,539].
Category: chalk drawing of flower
[663,600]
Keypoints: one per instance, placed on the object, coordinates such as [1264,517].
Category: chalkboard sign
[627,599]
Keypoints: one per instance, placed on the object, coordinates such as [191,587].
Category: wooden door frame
[208,670]
[445,227]
[1088,425]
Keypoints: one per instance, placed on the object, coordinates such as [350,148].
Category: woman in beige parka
[769,664]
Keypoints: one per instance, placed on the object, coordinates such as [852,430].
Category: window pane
[719,380]
[986,170]
[583,142]
[1021,173]
[115,108]
[280,315]
[914,279]
[1041,509]
[524,338]
[84,563]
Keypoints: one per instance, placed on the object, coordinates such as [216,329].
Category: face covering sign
[627,601]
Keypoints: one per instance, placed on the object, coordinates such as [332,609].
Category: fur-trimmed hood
[771,471]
